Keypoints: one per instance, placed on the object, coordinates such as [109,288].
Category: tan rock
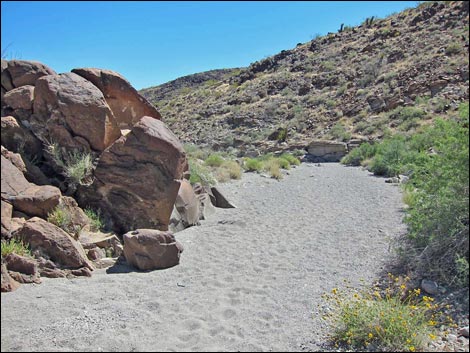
[25,72]
[20,98]
[17,139]
[127,105]
[52,242]
[8,284]
[150,249]
[187,204]
[37,200]
[70,101]
[7,85]
[7,211]
[22,264]
[326,151]
[13,181]
[137,178]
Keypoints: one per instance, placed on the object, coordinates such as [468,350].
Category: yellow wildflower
[412,348]
[431,336]
[370,335]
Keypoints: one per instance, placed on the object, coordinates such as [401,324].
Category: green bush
[438,216]
[436,159]
[62,218]
[200,174]
[214,160]
[253,165]
[283,163]
[96,222]
[339,132]
[359,154]
[290,158]
[16,247]
[390,156]
[76,166]
[403,114]
[396,319]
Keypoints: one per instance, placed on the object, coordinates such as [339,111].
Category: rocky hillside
[391,74]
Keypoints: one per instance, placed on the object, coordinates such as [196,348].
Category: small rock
[464,331]
[429,286]
[451,337]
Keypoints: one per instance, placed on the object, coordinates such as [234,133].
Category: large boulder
[20,98]
[24,72]
[326,151]
[137,178]
[18,139]
[49,241]
[71,111]
[7,211]
[37,200]
[12,180]
[150,249]
[127,105]
[26,197]
[8,284]
[187,204]
[7,84]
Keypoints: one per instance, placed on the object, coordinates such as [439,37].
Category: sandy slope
[250,279]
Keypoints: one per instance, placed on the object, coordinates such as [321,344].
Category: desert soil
[250,278]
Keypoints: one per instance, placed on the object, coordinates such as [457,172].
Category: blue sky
[152,42]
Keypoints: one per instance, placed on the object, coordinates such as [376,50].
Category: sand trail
[250,278]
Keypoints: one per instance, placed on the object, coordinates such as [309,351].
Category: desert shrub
[79,167]
[15,246]
[290,158]
[272,166]
[252,165]
[406,113]
[233,169]
[339,132]
[96,222]
[359,154]
[390,156]
[394,319]
[62,218]
[328,65]
[436,159]
[196,152]
[283,163]
[453,48]
[221,175]
[214,160]
[438,216]
[76,166]
[200,173]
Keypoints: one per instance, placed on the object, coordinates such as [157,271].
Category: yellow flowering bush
[392,319]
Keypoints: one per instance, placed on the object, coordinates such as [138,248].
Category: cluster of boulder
[137,182]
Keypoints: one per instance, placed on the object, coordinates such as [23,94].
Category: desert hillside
[388,74]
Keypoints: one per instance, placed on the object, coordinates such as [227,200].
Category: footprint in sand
[192,325]
[229,313]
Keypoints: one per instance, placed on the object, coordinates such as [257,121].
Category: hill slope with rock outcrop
[390,74]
